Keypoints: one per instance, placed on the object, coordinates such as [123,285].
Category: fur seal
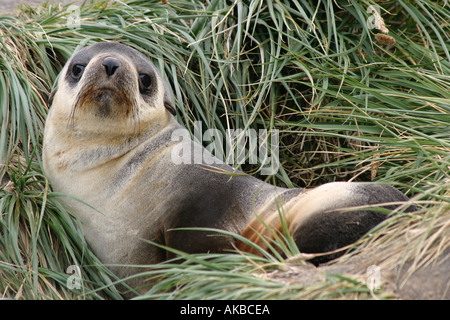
[108,143]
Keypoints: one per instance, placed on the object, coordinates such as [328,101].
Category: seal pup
[108,143]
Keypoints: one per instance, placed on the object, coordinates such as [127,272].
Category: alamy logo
[74,281]
[74,17]
[236,148]
[375,21]
[373,278]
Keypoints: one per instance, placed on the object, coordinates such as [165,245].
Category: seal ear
[169,104]
[52,94]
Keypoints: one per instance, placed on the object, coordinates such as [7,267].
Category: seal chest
[107,143]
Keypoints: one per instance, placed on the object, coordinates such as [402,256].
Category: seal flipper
[330,230]
[327,218]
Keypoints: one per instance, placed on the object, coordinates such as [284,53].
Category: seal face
[107,144]
[102,81]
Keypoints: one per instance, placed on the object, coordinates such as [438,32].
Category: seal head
[101,82]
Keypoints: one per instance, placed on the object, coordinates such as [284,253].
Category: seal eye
[145,82]
[77,70]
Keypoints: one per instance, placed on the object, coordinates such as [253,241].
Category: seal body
[108,145]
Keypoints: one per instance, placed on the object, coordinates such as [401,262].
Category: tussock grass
[349,104]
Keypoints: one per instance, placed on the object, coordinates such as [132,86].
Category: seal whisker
[74,107]
[136,121]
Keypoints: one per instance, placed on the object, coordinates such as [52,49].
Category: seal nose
[111,65]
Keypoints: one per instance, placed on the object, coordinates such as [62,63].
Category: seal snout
[107,86]
[111,65]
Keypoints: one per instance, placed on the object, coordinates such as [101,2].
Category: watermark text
[237,147]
